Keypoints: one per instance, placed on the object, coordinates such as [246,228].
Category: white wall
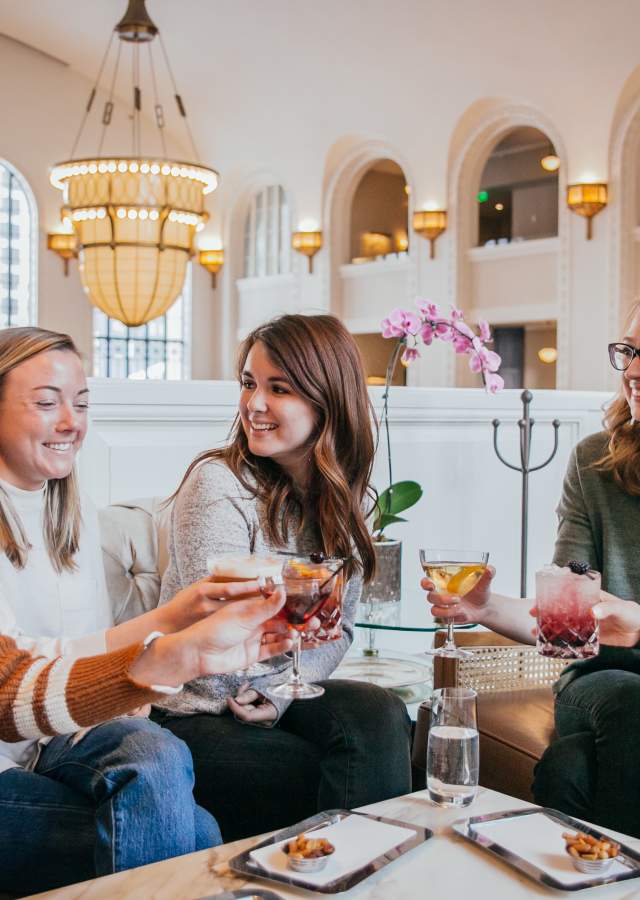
[309,96]
[144,434]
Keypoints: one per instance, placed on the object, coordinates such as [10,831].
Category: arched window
[267,234]
[158,350]
[18,227]
[518,190]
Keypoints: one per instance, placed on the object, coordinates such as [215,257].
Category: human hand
[234,637]
[199,600]
[461,610]
[250,706]
[619,620]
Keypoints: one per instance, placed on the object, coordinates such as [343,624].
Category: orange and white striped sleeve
[40,696]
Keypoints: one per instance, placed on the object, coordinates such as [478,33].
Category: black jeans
[592,770]
[345,749]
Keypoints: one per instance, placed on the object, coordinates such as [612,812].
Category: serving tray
[245,864]
[530,840]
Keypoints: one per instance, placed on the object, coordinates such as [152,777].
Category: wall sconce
[64,244]
[548,355]
[587,200]
[308,243]
[550,163]
[430,223]
[213,261]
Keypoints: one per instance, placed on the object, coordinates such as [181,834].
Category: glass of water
[453,758]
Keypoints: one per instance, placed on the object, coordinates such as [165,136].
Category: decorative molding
[508,315]
[514,250]
[372,269]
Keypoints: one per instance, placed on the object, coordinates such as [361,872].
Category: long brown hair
[622,457]
[322,362]
[62,517]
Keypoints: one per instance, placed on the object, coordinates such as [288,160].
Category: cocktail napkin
[357,840]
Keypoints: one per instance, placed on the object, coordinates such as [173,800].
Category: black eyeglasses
[622,355]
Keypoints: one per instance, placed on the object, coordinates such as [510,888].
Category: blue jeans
[592,769]
[121,797]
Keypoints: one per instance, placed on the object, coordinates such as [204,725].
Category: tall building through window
[18,227]
[158,350]
[267,234]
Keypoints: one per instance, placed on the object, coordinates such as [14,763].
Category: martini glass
[454,573]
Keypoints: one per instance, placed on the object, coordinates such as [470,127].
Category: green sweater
[599,523]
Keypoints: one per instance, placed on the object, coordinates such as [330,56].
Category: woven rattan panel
[507,668]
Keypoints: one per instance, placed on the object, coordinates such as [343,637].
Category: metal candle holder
[525,424]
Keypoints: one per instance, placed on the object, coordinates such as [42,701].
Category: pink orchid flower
[408,355]
[493,382]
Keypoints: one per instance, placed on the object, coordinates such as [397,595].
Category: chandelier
[134,215]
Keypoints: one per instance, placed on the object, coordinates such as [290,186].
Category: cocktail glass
[240,567]
[565,599]
[310,588]
[454,573]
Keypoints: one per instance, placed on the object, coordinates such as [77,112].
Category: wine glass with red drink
[310,587]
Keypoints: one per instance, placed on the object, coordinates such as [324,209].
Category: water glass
[453,752]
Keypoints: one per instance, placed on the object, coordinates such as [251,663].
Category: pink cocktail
[565,599]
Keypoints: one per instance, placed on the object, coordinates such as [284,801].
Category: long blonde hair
[62,516]
[622,457]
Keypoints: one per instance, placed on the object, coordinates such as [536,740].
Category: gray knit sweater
[212,514]
[599,523]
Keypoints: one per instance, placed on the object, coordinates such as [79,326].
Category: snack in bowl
[307,854]
[589,854]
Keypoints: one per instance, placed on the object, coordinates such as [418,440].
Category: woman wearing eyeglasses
[591,770]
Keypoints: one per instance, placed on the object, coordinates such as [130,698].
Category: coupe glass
[454,573]
[309,587]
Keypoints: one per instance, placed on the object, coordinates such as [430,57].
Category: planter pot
[386,586]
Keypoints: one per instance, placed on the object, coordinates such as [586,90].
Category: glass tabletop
[411,614]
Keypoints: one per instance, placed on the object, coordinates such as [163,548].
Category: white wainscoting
[144,434]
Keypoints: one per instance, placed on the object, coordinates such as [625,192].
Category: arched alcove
[513,284]
[354,205]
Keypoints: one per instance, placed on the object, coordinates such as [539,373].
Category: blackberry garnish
[578,568]
[317,558]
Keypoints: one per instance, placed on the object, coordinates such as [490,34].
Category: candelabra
[525,424]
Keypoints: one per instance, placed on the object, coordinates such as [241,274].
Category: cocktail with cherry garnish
[565,598]
[309,587]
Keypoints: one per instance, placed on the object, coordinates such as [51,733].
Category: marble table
[445,866]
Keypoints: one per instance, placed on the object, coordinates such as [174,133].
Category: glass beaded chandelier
[134,215]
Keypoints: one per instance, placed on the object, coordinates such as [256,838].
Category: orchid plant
[427,325]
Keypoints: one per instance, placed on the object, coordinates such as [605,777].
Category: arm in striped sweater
[41,696]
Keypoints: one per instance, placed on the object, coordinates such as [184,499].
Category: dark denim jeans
[592,769]
[121,797]
[345,749]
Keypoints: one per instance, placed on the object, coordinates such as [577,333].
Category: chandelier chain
[92,96]
[179,102]
[110,100]
[156,102]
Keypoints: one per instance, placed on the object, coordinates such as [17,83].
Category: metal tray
[243,864]
[245,894]
[627,857]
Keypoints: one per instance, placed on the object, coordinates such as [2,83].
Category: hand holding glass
[454,573]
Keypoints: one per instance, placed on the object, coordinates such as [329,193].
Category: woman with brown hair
[591,769]
[294,477]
